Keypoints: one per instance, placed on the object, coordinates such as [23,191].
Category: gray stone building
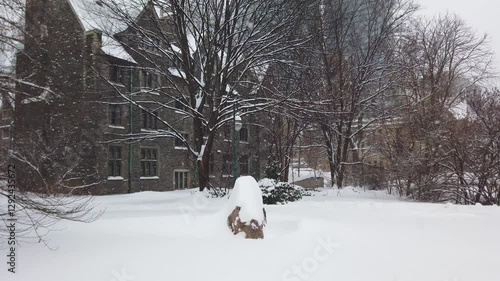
[87,94]
[6,112]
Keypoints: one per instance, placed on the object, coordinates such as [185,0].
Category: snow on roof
[102,14]
[112,47]
[175,48]
[231,90]
[459,111]
[163,12]
[261,71]
[11,98]
[5,100]
[176,72]
[95,16]
[43,97]
[193,44]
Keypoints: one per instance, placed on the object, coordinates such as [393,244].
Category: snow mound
[247,195]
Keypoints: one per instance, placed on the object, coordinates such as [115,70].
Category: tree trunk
[331,161]
[203,164]
[343,155]
[203,174]
[332,170]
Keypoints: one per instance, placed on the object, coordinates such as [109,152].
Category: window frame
[227,133]
[112,118]
[244,134]
[227,165]
[5,129]
[180,106]
[6,114]
[211,164]
[150,44]
[181,179]
[244,165]
[149,79]
[115,161]
[149,164]
[179,144]
[149,120]
[116,74]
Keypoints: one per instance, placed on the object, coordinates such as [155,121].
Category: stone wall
[311,183]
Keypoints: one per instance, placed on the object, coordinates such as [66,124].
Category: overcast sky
[482,15]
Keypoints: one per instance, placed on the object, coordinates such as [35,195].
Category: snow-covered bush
[216,192]
[274,192]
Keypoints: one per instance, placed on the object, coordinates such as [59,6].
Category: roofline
[76,15]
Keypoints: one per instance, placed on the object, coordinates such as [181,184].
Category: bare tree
[57,182]
[482,169]
[473,158]
[356,43]
[213,55]
[442,63]
[281,135]
[292,85]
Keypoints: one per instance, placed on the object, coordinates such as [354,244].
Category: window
[180,143]
[204,130]
[148,79]
[180,105]
[115,114]
[227,164]
[149,162]
[244,134]
[116,74]
[244,165]
[6,114]
[181,179]
[155,44]
[227,133]
[4,152]
[149,120]
[115,161]
[150,44]
[6,133]
[211,164]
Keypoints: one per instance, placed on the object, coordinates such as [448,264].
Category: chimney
[93,40]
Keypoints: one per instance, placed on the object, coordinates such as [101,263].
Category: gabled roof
[112,47]
[95,16]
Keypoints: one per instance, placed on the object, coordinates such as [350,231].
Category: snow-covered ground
[305,173]
[346,235]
